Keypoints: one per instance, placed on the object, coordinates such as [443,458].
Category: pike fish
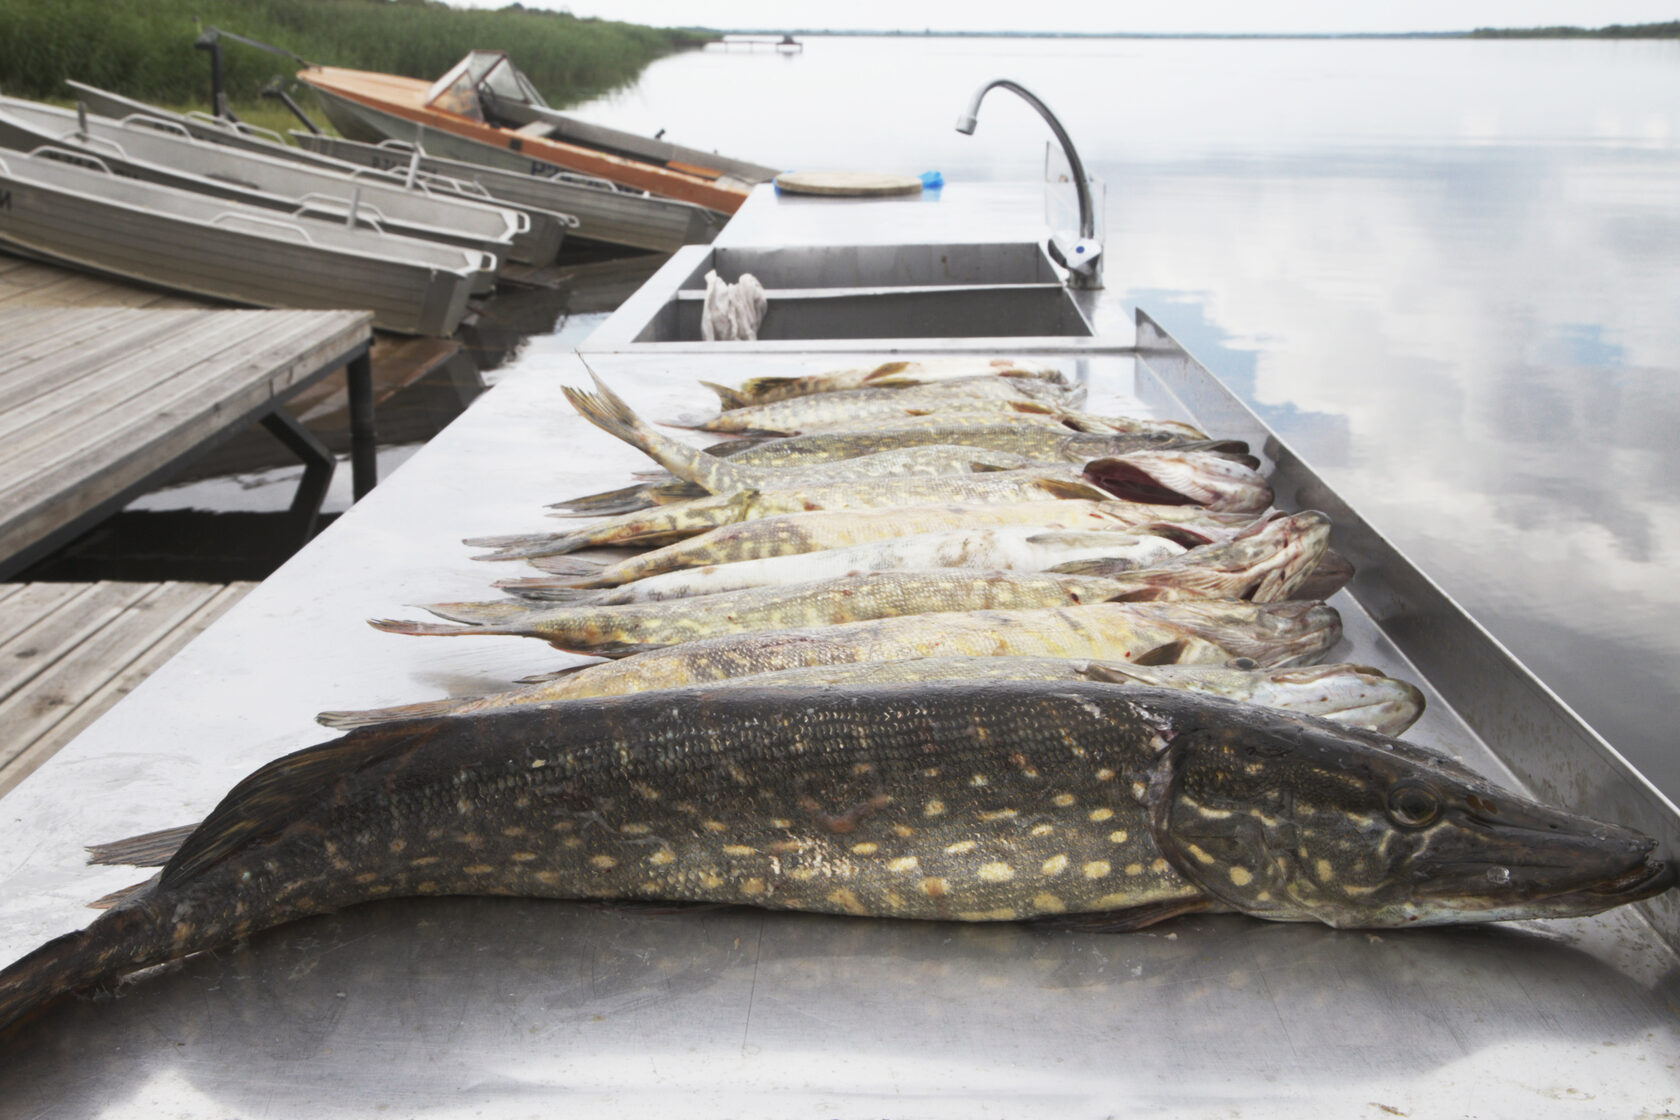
[667,524]
[1017,548]
[1043,444]
[1274,635]
[620,630]
[970,801]
[887,375]
[795,534]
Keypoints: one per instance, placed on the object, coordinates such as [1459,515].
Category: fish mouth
[1651,878]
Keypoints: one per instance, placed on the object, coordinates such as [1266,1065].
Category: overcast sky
[1116,15]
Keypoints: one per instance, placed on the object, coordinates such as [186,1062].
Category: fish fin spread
[728,398]
[117,897]
[626,499]
[531,547]
[1129,920]
[500,612]
[885,373]
[670,493]
[436,629]
[608,411]
[510,541]
[1072,488]
[1168,654]
[149,849]
[367,717]
[546,589]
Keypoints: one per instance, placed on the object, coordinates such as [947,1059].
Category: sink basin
[843,294]
[878,266]
[979,311]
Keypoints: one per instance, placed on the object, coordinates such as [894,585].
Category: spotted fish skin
[894,804]
[970,802]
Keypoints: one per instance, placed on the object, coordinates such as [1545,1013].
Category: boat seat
[541,130]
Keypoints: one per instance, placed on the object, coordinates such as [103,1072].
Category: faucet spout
[1082,275]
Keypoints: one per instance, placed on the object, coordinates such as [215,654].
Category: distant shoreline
[1670,30]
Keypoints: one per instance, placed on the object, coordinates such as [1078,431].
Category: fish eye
[1412,804]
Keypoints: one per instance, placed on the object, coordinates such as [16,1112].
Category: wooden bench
[100,404]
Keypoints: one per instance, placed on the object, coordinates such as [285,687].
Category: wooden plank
[29,603]
[208,359]
[101,671]
[113,377]
[35,336]
[197,407]
[131,337]
[33,649]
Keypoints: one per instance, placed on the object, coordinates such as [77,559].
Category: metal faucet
[1085,267]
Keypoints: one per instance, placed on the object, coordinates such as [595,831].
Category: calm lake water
[1447,271]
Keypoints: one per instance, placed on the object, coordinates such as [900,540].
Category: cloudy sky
[1116,15]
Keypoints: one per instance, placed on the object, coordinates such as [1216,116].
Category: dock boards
[96,404]
[68,651]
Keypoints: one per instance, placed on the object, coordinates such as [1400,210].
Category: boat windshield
[482,76]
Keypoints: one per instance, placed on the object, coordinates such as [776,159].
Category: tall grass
[144,48]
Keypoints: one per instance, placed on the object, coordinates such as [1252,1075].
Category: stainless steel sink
[989,311]
[850,293]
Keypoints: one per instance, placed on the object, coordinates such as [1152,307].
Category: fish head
[1297,820]
[1181,478]
[1272,635]
[1264,563]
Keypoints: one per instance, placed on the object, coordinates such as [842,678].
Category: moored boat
[485,89]
[70,208]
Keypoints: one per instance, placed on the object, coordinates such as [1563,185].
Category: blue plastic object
[932,180]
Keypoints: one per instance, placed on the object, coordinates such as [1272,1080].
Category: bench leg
[318,464]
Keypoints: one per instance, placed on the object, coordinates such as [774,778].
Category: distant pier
[786,44]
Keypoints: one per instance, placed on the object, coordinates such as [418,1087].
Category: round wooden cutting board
[853,184]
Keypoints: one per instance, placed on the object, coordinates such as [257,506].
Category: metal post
[318,465]
[211,41]
[364,465]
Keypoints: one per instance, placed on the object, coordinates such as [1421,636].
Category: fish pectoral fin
[605,648]
[1129,920]
[149,849]
[556,674]
[367,717]
[1098,566]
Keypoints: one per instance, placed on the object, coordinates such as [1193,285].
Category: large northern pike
[961,801]
[1216,632]
[1001,395]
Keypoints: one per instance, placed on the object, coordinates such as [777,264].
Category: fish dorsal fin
[885,372]
[149,849]
[730,398]
[1168,654]
[261,807]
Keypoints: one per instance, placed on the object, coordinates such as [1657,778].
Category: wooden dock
[100,404]
[68,651]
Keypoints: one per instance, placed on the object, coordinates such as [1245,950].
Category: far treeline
[144,48]
[1670,30]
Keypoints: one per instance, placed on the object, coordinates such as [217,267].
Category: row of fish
[929,642]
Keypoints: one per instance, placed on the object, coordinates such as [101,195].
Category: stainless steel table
[504,1008]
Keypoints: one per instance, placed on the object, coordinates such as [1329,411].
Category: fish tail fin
[438,629]
[626,499]
[497,613]
[367,717]
[119,941]
[547,589]
[535,545]
[729,398]
[608,411]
